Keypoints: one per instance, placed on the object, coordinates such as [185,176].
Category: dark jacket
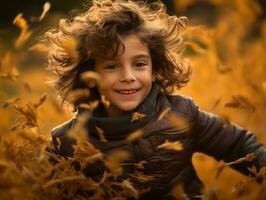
[206,133]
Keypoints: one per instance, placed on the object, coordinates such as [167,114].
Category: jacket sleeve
[226,142]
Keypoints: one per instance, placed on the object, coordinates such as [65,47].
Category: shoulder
[61,130]
[182,103]
[63,144]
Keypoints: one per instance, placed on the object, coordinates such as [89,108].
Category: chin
[128,107]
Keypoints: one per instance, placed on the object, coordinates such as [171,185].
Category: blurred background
[225,43]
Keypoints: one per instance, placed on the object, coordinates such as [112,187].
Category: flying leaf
[70,45]
[178,192]
[140,165]
[239,101]
[137,116]
[176,146]
[135,135]
[180,122]
[164,113]
[78,94]
[141,177]
[46,8]
[114,161]
[105,102]
[20,22]
[40,102]
[91,78]
[101,134]
[89,106]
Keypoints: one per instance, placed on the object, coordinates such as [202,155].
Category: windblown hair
[99,31]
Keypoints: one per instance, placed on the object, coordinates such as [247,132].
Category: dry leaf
[94,158]
[89,106]
[248,158]
[27,87]
[239,101]
[195,47]
[58,141]
[78,94]
[140,165]
[176,146]
[91,78]
[180,122]
[11,101]
[241,189]
[164,113]
[114,161]
[62,180]
[70,45]
[41,101]
[105,102]
[130,190]
[135,135]
[101,134]
[46,8]
[141,177]
[8,69]
[178,192]
[137,116]
[20,22]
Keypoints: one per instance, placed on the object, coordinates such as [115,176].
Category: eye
[141,64]
[110,66]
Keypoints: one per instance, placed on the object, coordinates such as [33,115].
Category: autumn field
[227,54]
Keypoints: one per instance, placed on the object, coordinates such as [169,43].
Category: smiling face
[126,80]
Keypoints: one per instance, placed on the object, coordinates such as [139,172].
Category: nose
[127,75]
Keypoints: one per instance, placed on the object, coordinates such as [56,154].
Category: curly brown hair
[99,30]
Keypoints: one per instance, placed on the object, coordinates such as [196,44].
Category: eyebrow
[141,56]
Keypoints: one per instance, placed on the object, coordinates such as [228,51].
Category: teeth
[127,92]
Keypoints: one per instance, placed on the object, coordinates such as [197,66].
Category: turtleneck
[120,126]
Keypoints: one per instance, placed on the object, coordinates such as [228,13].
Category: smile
[127,92]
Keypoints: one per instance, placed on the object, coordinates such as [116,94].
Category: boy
[133,50]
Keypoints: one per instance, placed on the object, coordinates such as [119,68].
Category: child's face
[126,79]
